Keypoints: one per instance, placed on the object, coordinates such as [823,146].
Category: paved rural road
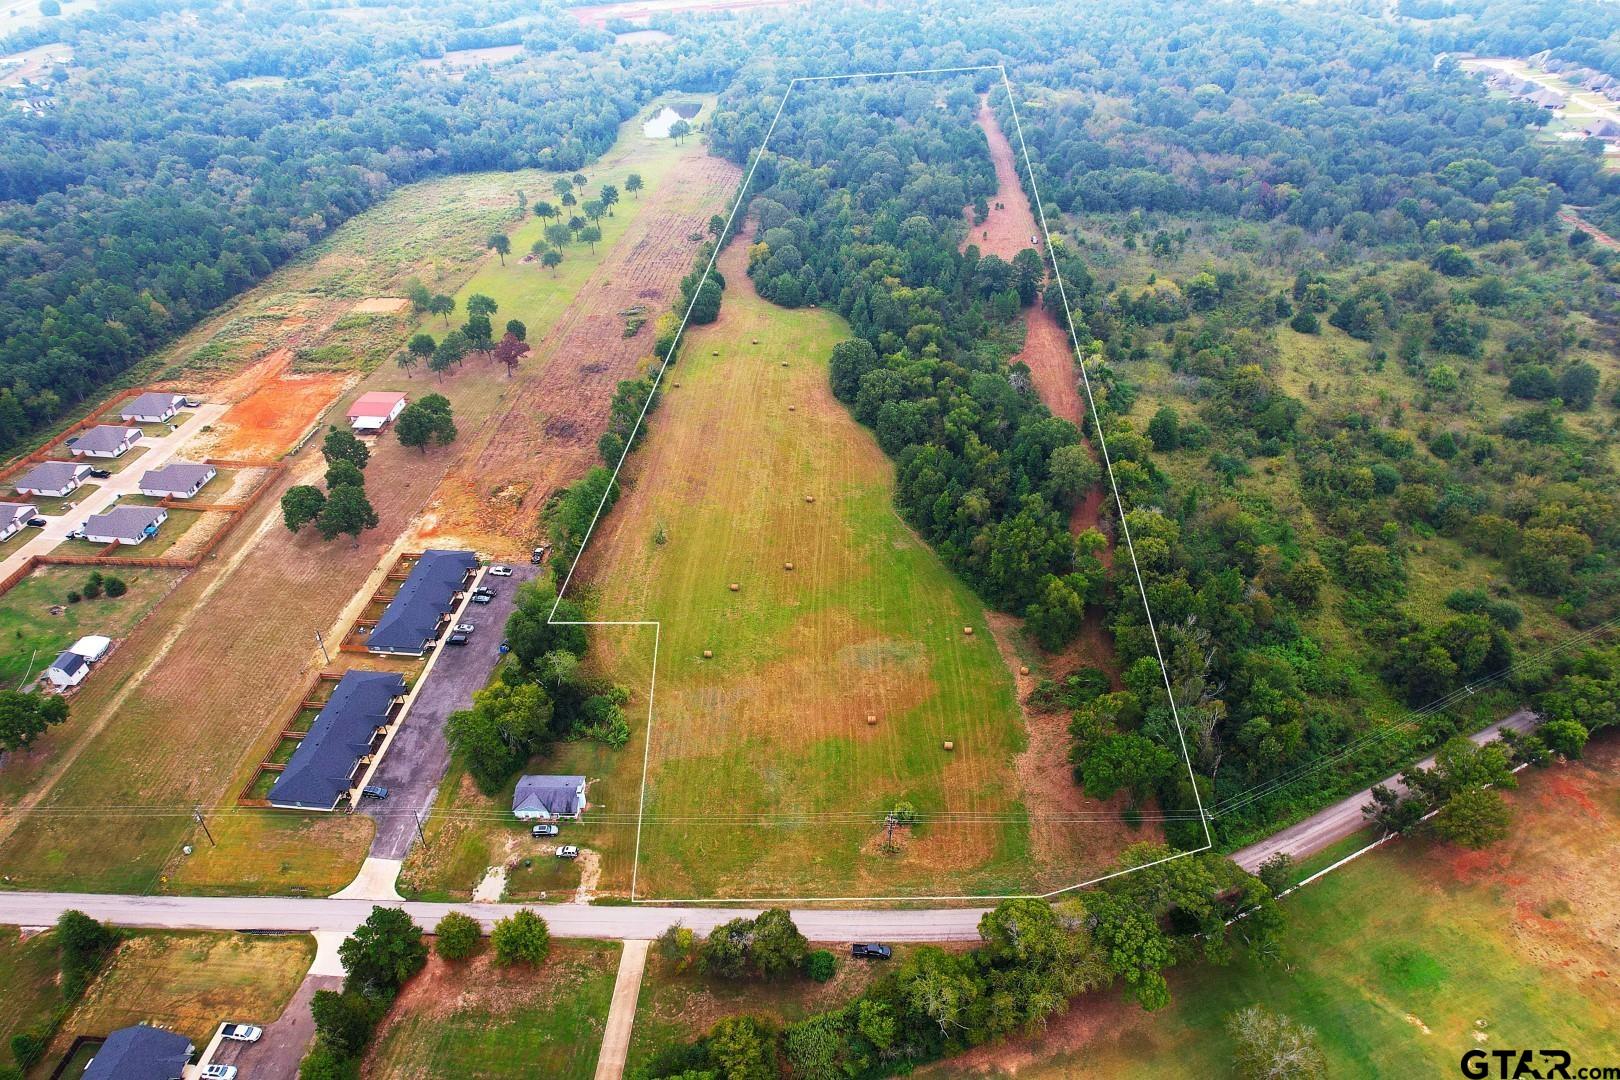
[1344,818]
[565,920]
[417,758]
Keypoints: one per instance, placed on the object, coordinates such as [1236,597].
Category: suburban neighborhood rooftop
[320,770]
[140,1053]
[428,594]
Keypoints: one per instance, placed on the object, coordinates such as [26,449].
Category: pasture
[1509,947]
[765,778]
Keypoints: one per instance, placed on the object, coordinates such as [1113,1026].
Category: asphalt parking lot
[417,758]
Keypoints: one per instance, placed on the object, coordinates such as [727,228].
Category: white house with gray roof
[105,441]
[125,525]
[152,408]
[179,480]
[52,478]
[544,798]
[14,516]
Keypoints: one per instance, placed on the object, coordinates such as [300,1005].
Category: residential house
[332,757]
[417,614]
[178,480]
[52,479]
[13,516]
[141,1052]
[68,669]
[1546,99]
[375,410]
[92,647]
[1602,128]
[125,525]
[546,798]
[151,408]
[105,441]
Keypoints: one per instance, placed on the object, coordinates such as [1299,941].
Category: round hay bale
[715,353]
[949,745]
[787,566]
[1023,671]
[809,498]
[784,363]
[708,654]
[968,630]
[735,586]
[871,720]
[756,341]
[793,408]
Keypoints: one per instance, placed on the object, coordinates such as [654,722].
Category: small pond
[658,126]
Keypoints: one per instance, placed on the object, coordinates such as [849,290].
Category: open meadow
[184,711]
[840,667]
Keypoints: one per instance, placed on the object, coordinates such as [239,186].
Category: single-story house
[332,757]
[140,1052]
[125,524]
[151,408]
[53,478]
[1547,99]
[68,669]
[544,798]
[375,409]
[1602,128]
[92,647]
[14,516]
[178,480]
[418,612]
[105,440]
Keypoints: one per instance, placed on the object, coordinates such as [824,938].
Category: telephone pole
[197,816]
[322,643]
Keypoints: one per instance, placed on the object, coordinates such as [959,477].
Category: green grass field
[31,636]
[765,778]
[474,1020]
[28,993]
[1402,960]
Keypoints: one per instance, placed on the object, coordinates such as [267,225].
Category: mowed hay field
[765,778]
[1401,961]
[182,712]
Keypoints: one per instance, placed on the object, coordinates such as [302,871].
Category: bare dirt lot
[380,305]
[277,408]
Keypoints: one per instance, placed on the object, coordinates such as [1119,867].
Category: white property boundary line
[1091,408]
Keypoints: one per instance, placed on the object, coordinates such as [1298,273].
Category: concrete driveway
[419,755]
[286,1040]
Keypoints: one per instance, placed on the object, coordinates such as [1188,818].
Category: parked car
[193,403]
[538,555]
[568,851]
[374,791]
[76,534]
[457,639]
[482,597]
[871,952]
[37,522]
[101,474]
[500,571]
[544,829]
[241,1032]
[217,1071]
[465,628]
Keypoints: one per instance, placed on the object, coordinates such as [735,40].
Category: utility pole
[416,816]
[197,816]
[322,643]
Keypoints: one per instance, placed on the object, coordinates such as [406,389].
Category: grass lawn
[122,462]
[190,983]
[258,852]
[765,778]
[1402,960]
[168,535]
[472,1019]
[30,636]
[29,996]
[57,505]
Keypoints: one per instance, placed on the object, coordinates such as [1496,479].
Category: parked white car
[241,1032]
[568,851]
[500,571]
[217,1071]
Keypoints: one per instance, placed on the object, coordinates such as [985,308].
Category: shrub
[821,965]
[85,945]
[1277,872]
[73,596]
[456,937]
[1567,737]
[521,937]
[115,587]
[27,1047]
[324,1063]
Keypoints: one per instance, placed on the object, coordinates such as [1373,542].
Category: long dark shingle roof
[425,598]
[340,736]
